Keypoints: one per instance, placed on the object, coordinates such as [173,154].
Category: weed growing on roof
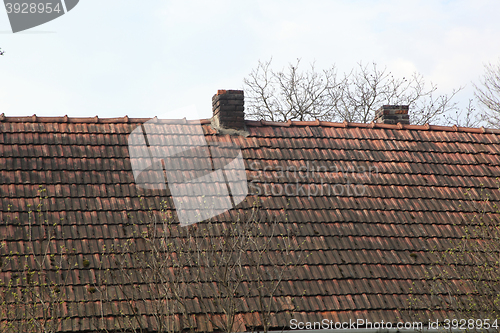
[33,286]
[220,264]
[154,264]
[464,278]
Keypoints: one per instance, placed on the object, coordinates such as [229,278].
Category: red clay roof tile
[359,246]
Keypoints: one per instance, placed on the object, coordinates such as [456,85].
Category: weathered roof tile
[360,245]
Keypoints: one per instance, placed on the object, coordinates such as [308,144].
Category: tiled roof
[367,249]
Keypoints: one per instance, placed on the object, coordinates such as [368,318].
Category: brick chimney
[228,110]
[392,114]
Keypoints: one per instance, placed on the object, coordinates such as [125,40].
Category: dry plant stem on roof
[33,293]
[471,264]
[211,268]
[142,272]
[294,94]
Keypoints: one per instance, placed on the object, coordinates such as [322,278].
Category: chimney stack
[392,114]
[228,110]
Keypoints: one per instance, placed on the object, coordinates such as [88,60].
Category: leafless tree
[212,268]
[293,94]
[488,94]
[164,277]
[476,259]
[34,286]
[465,276]
[468,117]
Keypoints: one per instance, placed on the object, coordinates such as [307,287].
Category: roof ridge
[253,123]
[126,119]
[398,126]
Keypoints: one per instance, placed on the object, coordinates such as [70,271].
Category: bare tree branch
[211,268]
[292,94]
[488,94]
[465,118]
[465,277]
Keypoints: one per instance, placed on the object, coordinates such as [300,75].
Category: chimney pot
[392,114]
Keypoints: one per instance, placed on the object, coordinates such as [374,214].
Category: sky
[165,58]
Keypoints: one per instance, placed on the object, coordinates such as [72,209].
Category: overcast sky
[113,58]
